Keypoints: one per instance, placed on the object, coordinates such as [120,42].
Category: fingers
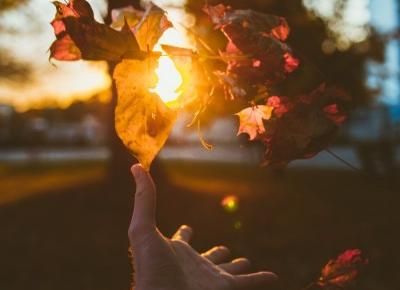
[184,233]
[259,279]
[237,266]
[143,218]
[217,255]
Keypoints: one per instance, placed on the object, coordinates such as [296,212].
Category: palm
[162,263]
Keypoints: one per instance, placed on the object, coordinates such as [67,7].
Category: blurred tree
[10,68]
[10,4]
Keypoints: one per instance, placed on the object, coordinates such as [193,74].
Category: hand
[172,264]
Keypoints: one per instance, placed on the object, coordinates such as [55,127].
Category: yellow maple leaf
[251,120]
[142,120]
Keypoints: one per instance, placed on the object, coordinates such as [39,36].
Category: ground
[73,234]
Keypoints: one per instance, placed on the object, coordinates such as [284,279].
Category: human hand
[172,264]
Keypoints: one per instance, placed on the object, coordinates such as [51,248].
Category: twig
[364,175]
[348,164]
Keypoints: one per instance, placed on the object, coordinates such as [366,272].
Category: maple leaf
[251,120]
[142,120]
[150,28]
[216,13]
[332,113]
[124,15]
[342,271]
[281,105]
[65,49]
[256,22]
[82,8]
[80,36]
[305,124]
[259,38]
[291,63]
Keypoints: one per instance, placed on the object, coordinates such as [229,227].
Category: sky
[385,19]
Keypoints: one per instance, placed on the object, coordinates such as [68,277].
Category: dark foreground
[291,223]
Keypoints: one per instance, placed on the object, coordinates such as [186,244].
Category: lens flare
[238,225]
[230,203]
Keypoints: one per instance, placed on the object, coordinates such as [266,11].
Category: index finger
[143,218]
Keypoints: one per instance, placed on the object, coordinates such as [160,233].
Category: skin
[163,263]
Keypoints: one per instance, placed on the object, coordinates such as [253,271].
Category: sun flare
[169,77]
[169,80]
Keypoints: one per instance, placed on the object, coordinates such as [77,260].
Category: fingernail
[136,170]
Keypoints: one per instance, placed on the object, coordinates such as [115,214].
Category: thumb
[143,218]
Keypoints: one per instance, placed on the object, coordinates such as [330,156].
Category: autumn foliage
[342,272]
[255,59]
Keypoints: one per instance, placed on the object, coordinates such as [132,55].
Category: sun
[169,78]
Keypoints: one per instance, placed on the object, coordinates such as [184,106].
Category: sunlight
[169,78]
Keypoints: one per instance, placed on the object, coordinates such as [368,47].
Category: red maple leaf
[281,105]
[80,36]
[291,63]
[342,271]
[259,37]
[305,124]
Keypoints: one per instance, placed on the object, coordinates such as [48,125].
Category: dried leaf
[251,120]
[142,120]
[260,38]
[124,15]
[64,10]
[281,105]
[150,28]
[95,41]
[342,272]
[99,42]
[304,125]
[82,8]
[178,52]
[65,49]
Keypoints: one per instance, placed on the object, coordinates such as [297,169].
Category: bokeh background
[66,191]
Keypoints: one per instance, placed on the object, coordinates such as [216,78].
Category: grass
[21,181]
[71,234]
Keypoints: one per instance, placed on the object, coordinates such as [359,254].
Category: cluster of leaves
[258,58]
[142,121]
[342,272]
[255,59]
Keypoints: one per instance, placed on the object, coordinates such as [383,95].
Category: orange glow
[230,203]
[169,78]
